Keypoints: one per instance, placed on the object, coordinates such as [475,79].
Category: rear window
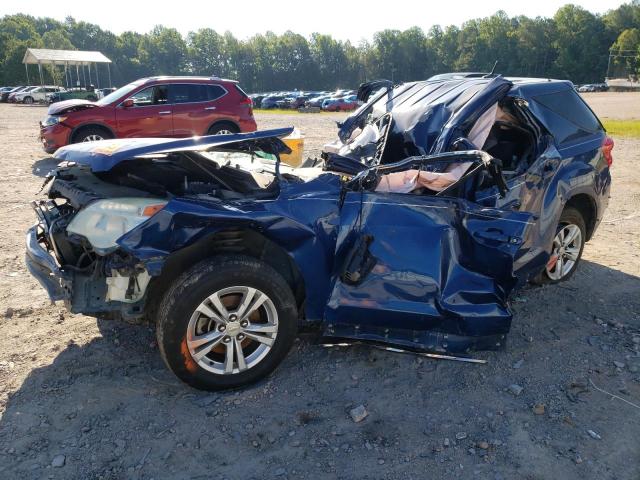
[188,93]
[215,91]
[571,107]
[195,92]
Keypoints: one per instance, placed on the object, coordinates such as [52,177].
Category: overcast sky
[354,20]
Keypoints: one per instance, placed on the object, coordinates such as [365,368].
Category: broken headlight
[104,221]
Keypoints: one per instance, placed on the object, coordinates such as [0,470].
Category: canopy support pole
[26,69]
[40,71]
[89,68]
[77,75]
[109,72]
[84,76]
[95,66]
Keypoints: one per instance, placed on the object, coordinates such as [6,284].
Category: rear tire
[568,245]
[208,339]
[28,100]
[223,128]
[91,134]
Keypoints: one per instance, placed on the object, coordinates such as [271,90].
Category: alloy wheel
[92,138]
[232,330]
[566,250]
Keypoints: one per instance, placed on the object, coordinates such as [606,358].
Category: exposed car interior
[505,131]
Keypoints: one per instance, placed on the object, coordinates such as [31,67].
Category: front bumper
[45,269]
[54,137]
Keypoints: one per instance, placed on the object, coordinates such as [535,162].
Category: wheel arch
[240,241]
[78,128]
[586,205]
[223,120]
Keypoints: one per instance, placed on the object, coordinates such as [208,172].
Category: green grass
[622,128]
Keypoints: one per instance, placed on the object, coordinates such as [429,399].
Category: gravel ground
[82,398]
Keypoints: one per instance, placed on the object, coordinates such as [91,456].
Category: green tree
[581,44]
[626,52]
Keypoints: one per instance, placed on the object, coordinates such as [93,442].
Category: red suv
[151,107]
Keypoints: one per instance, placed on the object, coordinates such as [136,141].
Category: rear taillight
[607,150]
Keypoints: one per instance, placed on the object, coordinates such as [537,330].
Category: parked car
[37,94]
[343,104]
[317,101]
[12,96]
[76,93]
[586,88]
[4,96]
[444,198]
[151,107]
[271,101]
[6,89]
[292,102]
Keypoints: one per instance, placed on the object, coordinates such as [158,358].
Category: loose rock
[359,413]
[594,435]
[58,461]
[461,435]
[538,409]
[515,389]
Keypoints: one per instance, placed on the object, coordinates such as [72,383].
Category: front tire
[568,245]
[28,100]
[91,134]
[226,322]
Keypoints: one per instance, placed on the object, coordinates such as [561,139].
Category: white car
[38,94]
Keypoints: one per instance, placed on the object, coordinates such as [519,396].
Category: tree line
[573,44]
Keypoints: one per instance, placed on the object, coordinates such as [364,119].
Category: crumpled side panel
[303,220]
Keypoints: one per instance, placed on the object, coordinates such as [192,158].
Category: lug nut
[244,324]
[226,339]
[222,328]
[233,317]
[241,337]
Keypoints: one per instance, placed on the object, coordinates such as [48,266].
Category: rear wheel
[91,134]
[223,128]
[28,100]
[226,322]
[568,245]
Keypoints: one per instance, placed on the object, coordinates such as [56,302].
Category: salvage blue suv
[437,200]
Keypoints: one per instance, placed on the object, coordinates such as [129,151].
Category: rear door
[196,107]
[150,115]
[410,265]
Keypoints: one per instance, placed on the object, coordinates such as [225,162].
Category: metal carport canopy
[44,56]
[67,58]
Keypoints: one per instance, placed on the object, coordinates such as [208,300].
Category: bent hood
[70,105]
[102,156]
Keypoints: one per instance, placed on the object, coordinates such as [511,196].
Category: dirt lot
[82,398]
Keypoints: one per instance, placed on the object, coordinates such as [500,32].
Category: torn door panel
[442,266]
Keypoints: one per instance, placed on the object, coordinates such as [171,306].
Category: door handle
[166,112]
[209,108]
